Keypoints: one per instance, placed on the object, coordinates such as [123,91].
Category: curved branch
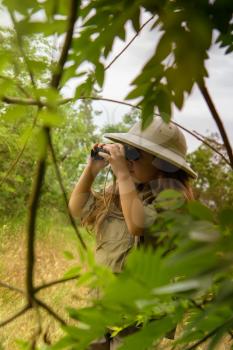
[217,120]
[139,108]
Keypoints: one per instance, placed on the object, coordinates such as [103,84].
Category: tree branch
[52,283]
[67,43]
[50,311]
[33,206]
[201,138]
[129,43]
[217,120]
[22,101]
[12,318]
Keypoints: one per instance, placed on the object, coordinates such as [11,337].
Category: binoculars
[131,153]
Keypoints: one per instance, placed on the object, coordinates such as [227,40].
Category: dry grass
[51,264]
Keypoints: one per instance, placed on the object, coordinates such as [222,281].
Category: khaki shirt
[114,241]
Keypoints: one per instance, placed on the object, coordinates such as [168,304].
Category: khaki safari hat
[166,141]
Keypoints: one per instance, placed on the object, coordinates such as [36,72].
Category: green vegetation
[45,138]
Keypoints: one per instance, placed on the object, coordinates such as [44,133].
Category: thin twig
[129,43]
[50,311]
[15,289]
[22,101]
[217,120]
[12,318]
[64,192]
[52,283]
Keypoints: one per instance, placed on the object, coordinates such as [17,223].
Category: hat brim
[154,149]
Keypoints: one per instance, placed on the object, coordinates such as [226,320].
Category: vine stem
[217,119]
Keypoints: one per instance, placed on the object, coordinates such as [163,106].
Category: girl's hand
[96,164]
[116,158]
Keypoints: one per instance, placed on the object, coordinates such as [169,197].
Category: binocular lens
[131,153]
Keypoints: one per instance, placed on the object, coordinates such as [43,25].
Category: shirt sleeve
[88,206]
[150,214]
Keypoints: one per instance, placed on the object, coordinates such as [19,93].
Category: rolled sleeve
[88,207]
[150,214]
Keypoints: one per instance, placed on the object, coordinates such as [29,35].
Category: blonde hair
[109,199]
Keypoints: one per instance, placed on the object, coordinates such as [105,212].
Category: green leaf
[99,73]
[226,217]
[68,255]
[200,211]
[137,92]
[73,272]
[170,199]
[46,28]
[51,118]
[164,48]
[147,114]
[163,100]
[151,332]
[166,117]
[15,113]
[136,19]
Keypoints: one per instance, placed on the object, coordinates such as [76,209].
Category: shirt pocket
[114,229]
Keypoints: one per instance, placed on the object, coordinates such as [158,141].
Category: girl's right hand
[94,164]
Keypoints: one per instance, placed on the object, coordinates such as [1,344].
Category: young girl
[144,162]
[121,214]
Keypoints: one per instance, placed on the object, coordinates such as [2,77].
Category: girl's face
[142,170]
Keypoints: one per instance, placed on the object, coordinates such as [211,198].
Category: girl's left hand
[116,158]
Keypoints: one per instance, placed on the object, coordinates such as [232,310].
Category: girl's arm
[82,189]
[132,206]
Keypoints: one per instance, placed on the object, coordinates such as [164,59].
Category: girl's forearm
[81,191]
[132,207]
